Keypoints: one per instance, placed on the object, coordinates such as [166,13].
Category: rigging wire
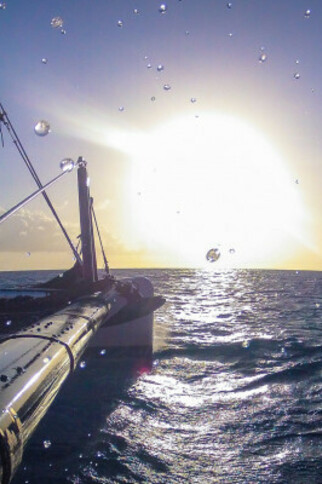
[78,243]
[1,133]
[100,241]
[6,121]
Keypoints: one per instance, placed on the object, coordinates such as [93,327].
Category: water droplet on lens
[121,108]
[120,23]
[193,100]
[317,305]
[262,58]
[153,98]
[46,444]
[57,22]
[82,364]
[146,57]
[163,8]
[297,61]
[42,128]
[28,254]
[2,6]
[63,31]
[44,60]
[213,255]
[296,75]
[8,323]
[46,359]
[230,34]
[160,68]
[166,87]
[232,251]
[229,5]
[245,344]
[297,182]
[149,66]
[99,454]
[103,352]
[67,164]
[187,32]
[307,13]
[136,11]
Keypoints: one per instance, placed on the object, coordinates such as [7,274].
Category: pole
[24,202]
[85,215]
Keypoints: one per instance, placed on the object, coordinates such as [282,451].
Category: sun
[212,181]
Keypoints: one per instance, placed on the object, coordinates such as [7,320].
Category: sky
[200,122]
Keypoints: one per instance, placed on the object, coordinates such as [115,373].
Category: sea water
[234,394]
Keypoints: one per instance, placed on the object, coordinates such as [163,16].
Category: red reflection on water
[142,367]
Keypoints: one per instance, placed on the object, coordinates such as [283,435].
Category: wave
[285,376]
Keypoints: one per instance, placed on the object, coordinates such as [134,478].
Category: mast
[86,224]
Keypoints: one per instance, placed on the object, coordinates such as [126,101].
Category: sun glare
[212,181]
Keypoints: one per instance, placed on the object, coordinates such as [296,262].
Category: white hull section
[135,333]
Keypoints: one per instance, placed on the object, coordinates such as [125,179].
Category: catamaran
[62,318]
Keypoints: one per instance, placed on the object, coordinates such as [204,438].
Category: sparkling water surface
[234,395]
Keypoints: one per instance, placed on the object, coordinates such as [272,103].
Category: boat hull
[34,363]
[134,337]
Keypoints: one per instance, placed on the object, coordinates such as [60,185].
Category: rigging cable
[100,241]
[1,133]
[6,121]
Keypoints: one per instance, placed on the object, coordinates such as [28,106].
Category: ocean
[234,394]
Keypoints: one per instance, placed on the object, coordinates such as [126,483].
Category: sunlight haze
[201,129]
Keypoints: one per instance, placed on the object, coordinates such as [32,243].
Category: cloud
[37,232]
[34,232]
